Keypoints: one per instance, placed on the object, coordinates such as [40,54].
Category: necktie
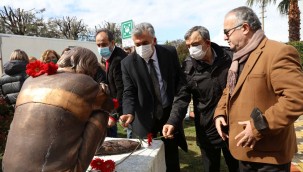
[158,110]
[106,65]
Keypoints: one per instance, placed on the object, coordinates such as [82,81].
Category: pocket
[271,143]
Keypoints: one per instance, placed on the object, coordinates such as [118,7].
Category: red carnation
[38,68]
[97,164]
[149,138]
[116,103]
[108,166]
[51,68]
[35,69]
[103,166]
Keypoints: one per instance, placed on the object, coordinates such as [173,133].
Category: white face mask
[197,52]
[145,51]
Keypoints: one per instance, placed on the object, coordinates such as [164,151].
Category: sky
[170,18]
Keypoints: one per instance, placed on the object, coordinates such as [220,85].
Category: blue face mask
[104,52]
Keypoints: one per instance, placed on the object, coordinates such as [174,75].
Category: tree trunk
[294,21]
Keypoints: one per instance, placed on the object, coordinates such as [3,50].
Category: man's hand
[168,131]
[246,136]
[126,119]
[220,121]
[111,122]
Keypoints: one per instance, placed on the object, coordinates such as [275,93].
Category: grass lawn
[190,161]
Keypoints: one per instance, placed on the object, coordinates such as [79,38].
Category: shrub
[299,46]
[6,116]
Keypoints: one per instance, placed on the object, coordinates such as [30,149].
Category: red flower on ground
[108,166]
[35,69]
[116,103]
[103,166]
[97,164]
[51,68]
[149,138]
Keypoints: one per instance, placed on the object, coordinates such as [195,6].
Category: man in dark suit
[147,103]
[112,56]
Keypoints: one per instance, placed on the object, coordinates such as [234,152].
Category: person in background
[128,49]
[206,72]
[32,59]
[112,56]
[14,76]
[57,126]
[263,97]
[151,78]
[50,56]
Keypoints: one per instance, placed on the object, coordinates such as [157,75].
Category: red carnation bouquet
[103,166]
[38,68]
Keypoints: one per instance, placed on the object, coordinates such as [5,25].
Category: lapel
[162,65]
[112,58]
[110,62]
[251,61]
[142,71]
[107,70]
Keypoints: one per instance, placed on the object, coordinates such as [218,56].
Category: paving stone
[297,162]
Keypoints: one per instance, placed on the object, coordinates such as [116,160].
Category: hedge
[299,46]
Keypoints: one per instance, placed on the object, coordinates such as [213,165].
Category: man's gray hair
[142,27]
[246,15]
[202,30]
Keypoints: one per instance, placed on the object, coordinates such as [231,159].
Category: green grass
[189,161]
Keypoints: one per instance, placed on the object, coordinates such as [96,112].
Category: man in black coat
[112,56]
[144,107]
[206,72]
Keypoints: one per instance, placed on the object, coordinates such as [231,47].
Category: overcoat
[271,80]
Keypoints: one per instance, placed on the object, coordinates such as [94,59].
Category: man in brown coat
[59,118]
[263,98]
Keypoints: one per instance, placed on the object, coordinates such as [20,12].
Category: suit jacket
[138,95]
[114,76]
[271,80]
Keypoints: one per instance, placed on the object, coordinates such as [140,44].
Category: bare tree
[20,22]
[50,30]
[70,27]
[114,28]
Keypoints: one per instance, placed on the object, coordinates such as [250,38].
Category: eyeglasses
[226,31]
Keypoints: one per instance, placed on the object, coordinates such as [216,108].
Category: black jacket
[138,96]
[205,84]
[114,76]
[12,80]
